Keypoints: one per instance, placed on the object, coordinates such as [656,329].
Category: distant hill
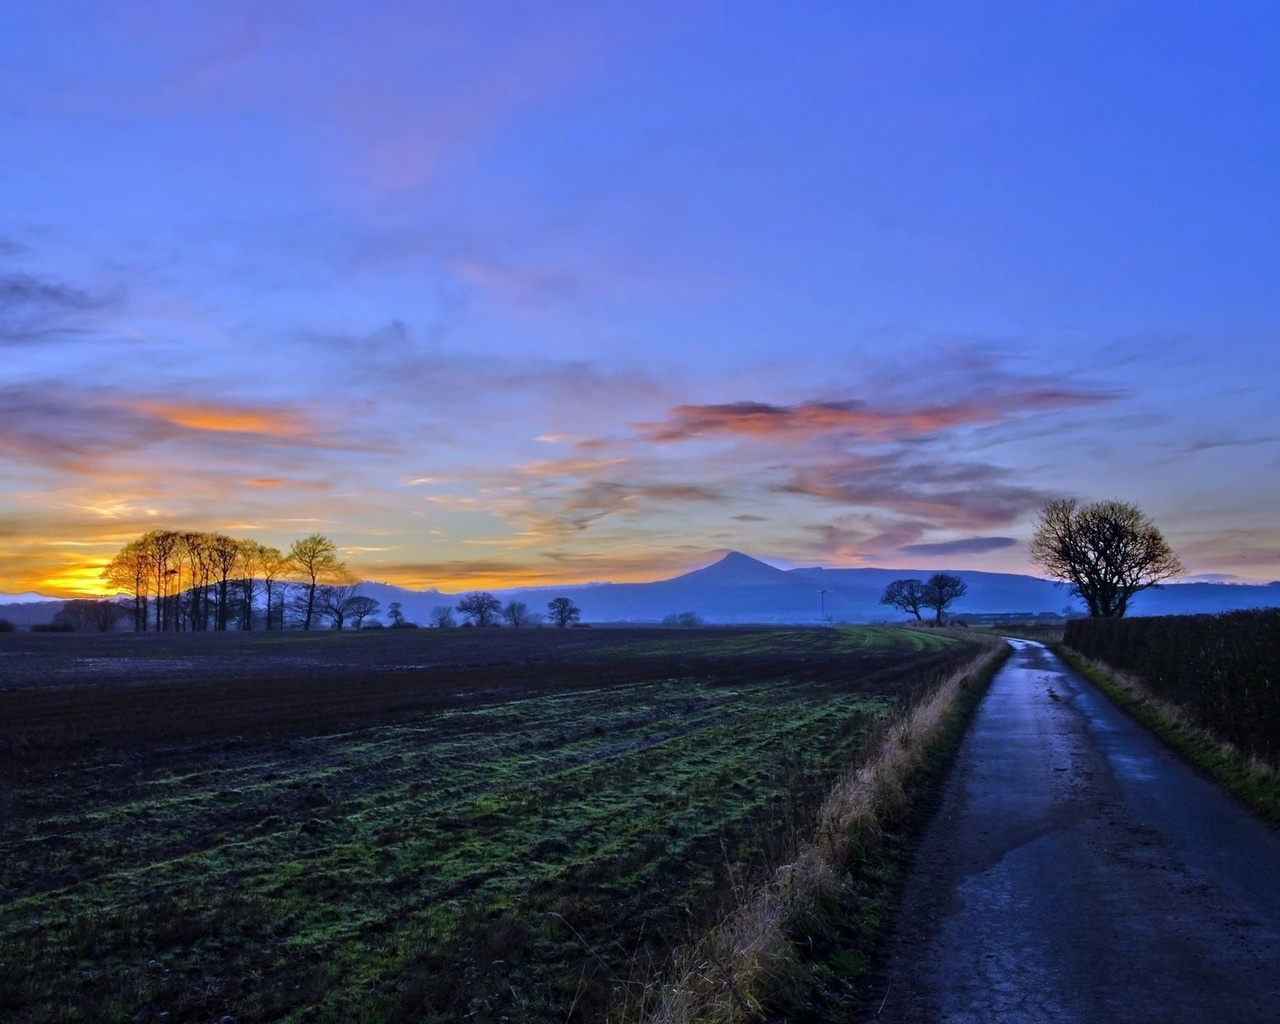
[742,589]
[25,613]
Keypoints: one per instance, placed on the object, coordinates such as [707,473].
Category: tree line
[172,580]
[480,608]
[193,580]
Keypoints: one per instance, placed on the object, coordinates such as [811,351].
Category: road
[1075,870]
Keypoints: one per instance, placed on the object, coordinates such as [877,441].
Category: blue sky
[496,294]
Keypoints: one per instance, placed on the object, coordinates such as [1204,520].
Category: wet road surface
[1075,870]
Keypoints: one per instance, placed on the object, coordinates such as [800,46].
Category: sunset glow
[500,296]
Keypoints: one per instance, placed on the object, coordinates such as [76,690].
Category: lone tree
[563,611]
[1108,551]
[480,607]
[905,594]
[941,590]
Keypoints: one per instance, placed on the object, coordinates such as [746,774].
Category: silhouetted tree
[442,616]
[1107,551]
[480,607]
[516,613]
[224,553]
[684,620]
[907,595]
[940,590]
[85,615]
[130,573]
[333,601]
[314,558]
[563,611]
[395,614]
[359,608]
[273,564]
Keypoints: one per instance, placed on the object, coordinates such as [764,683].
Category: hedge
[1222,669]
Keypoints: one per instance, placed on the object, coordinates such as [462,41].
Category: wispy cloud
[966,546]
[855,417]
[37,309]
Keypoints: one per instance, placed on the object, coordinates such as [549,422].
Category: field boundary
[803,936]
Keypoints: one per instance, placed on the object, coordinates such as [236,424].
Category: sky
[507,294]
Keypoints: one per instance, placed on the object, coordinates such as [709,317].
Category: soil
[1075,870]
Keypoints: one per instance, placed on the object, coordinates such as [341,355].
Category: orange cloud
[809,419]
[222,418]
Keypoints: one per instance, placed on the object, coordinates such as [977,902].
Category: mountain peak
[737,568]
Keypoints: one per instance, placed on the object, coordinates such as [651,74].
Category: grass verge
[1251,779]
[795,945]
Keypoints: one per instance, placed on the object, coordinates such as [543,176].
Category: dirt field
[404,825]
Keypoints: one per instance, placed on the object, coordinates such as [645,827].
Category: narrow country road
[1075,870]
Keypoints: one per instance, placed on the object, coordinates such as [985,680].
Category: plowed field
[404,825]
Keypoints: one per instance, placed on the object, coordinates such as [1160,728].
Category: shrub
[53,627]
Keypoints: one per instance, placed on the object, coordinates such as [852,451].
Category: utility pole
[822,598]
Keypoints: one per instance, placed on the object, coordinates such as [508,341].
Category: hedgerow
[1224,670]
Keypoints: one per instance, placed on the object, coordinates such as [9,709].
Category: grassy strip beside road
[511,839]
[797,945]
[1253,780]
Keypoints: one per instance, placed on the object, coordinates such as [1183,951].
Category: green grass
[506,853]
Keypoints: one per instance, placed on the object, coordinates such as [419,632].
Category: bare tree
[197,551]
[905,594]
[1107,551]
[314,558]
[563,611]
[396,615]
[130,572]
[252,555]
[163,545]
[941,590]
[224,553]
[442,616]
[516,614]
[273,564]
[100,615]
[359,608]
[333,601]
[480,607]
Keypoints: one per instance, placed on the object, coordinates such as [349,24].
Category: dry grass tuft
[751,955]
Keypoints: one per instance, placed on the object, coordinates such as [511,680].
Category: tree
[100,615]
[940,590]
[315,558]
[563,611]
[129,572]
[441,616]
[684,620]
[273,563]
[224,553]
[905,594]
[480,607]
[395,614]
[333,601]
[360,607]
[1107,551]
[516,613]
